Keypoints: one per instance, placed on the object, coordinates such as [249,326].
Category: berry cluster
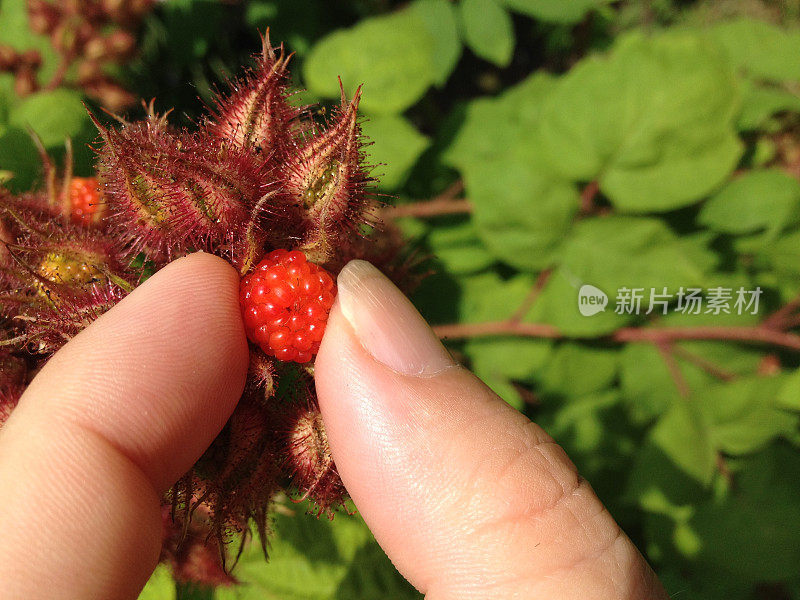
[285,302]
[262,183]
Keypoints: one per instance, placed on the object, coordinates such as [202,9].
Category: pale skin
[468,498]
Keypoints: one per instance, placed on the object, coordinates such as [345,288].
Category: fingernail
[387,324]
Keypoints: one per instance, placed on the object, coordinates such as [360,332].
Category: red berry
[84,199]
[285,304]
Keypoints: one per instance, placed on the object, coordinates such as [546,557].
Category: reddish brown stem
[530,299]
[708,366]
[498,328]
[588,195]
[60,73]
[756,335]
[445,203]
[665,349]
[429,208]
[783,315]
[752,335]
[724,470]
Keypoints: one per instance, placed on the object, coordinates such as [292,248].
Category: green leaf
[457,246]
[744,414]
[764,152]
[758,200]
[439,17]
[759,103]
[649,386]
[487,30]
[647,383]
[592,430]
[396,146]
[493,128]
[558,305]
[54,116]
[296,23]
[521,211]
[576,369]
[19,157]
[616,252]
[658,486]
[652,122]
[752,532]
[160,586]
[317,559]
[784,253]
[788,396]
[391,55]
[6,98]
[500,362]
[190,591]
[521,215]
[684,436]
[612,253]
[487,297]
[192,25]
[559,11]
[760,49]
[411,228]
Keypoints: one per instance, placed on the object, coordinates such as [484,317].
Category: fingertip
[201,266]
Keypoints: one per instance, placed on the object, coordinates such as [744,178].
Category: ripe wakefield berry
[285,303]
[84,199]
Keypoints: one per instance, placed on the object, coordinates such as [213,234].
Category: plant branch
[64,62]
[530,299]
[588,196]
[783,315]
[751,335]
[496,328]
[446,203]
[429,208]
[708,366]
[666,350]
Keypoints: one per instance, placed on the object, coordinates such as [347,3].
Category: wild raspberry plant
[259,183]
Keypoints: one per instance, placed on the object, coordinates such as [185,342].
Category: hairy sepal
[306,455]
[256,114]
[173,192]
[328,179]
[192,551]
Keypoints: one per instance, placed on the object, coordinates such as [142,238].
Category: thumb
[467,496]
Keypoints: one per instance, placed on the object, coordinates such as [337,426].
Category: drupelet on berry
[285,303]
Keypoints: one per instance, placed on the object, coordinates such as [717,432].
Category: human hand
[468,498]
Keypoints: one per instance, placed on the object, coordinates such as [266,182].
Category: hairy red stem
[753,335]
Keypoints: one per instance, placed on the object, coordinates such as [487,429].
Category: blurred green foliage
[640,144]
